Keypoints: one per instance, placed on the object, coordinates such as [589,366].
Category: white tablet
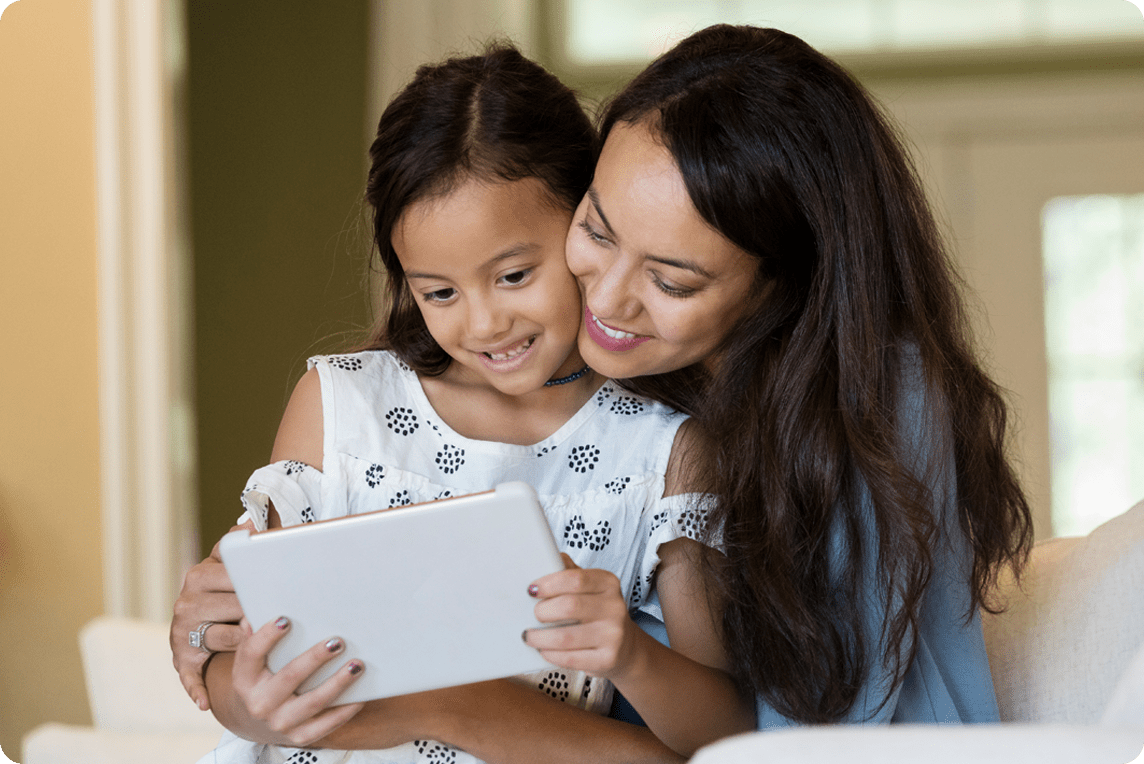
[429,595]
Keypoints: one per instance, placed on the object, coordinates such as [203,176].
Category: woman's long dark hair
[786,155]
[497,116]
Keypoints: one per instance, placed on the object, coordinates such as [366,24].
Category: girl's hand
[271,699]
[597,635]
[207,595]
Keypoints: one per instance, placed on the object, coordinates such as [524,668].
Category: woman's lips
[606,341]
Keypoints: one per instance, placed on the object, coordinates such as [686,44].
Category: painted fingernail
[335,645]
[533,590]
[524,636]
[282,623]
[356,667]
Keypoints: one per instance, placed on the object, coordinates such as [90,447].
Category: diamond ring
[198,637]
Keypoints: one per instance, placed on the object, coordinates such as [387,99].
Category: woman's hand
[207,596]
[271,700]
[597,635]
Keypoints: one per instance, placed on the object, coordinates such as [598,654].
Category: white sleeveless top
[600,478]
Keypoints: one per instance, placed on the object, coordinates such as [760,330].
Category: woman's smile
[612,340]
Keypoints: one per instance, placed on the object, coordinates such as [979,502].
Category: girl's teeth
[613,333]
[512,353]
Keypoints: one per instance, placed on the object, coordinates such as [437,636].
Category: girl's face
[661,288]
[486,266]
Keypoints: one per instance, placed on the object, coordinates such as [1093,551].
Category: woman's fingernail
[533,590]
[282,623]
[524,636]
[335,645]
[356,667]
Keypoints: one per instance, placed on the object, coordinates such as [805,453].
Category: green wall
[276,95]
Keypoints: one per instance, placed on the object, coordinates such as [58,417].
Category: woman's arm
[207,595]
[499,721]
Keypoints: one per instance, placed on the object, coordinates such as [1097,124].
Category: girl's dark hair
[787,156]
[496,116]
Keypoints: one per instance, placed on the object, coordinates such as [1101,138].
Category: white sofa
[141,713]
[1067,660]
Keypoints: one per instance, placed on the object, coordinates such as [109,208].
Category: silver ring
[198,637]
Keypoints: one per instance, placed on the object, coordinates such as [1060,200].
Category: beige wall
[50,574]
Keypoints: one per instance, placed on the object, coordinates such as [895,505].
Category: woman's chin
[614,365]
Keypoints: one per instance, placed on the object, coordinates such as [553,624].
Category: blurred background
[181,226]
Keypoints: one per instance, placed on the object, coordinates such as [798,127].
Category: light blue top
[948,681]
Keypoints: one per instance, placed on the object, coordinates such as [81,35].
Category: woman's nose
[609,293]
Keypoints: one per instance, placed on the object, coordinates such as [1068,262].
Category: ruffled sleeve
[681,516]
[292,487]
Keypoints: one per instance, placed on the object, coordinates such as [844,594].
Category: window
[1093,248]
[607,32]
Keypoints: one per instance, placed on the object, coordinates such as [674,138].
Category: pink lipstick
[596,330]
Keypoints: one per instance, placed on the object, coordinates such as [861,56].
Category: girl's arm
[683,693]
[499,721]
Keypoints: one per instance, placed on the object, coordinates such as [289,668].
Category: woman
[757,251]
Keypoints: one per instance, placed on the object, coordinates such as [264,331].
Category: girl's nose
[487,320]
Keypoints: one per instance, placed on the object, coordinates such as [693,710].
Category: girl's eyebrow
[686,265]
[523,248]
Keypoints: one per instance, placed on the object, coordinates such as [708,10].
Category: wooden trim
[147,536]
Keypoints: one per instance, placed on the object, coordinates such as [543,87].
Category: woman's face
[662,289]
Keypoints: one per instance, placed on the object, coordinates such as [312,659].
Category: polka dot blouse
[600,478]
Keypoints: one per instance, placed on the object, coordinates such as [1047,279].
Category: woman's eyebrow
[594,197]
[686,265]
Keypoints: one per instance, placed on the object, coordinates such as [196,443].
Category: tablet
[428,595]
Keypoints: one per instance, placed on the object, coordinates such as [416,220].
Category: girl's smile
[499,360]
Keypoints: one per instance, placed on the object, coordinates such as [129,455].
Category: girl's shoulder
[364,374]
[354,388]
[368,362]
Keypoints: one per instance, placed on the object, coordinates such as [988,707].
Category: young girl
[473,378]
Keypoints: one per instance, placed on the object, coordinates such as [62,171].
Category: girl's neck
[479,411]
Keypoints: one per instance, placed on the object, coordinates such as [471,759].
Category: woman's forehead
[640,191]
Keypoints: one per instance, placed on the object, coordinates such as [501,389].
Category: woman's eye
[671,289]
[516,277]
[591,233]
[440,295]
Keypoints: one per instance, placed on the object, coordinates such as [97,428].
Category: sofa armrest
[909,744]
[69,744]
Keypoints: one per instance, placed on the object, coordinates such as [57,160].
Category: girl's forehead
[477,223]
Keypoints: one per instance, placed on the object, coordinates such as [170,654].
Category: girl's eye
[441,295]
[670,289]
[590,232]
[516,278]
